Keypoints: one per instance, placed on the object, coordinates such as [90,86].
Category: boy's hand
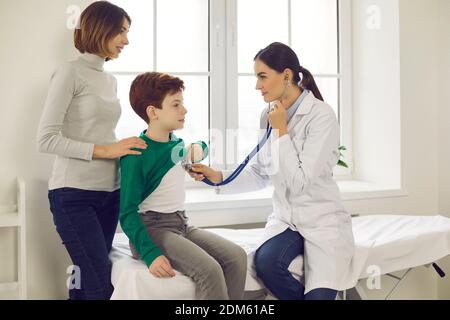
[161,268]
[200,171]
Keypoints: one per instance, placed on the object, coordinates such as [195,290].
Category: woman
[77,125]
[308,216]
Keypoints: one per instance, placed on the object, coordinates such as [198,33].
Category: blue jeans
[86,221]
[272,261]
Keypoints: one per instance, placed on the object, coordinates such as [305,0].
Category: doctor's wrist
[216,177]
[282,132]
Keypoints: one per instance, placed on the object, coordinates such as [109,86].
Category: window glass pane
[329,88]
[251,104]
[182,40]
[130,124]
[315,34]
[196,102]
[138,55]
[260,22]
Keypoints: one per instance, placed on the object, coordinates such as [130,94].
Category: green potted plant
[341,156]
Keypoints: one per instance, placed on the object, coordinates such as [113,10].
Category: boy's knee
[210,272]
[239,257]
[214,269]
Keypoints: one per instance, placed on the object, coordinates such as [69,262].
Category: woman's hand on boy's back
[161,268]
[119,149]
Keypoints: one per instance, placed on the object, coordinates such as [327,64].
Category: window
[167,40]
[210,44]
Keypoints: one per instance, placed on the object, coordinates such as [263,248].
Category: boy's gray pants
[217,266]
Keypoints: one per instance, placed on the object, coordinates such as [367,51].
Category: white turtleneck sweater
[81,110]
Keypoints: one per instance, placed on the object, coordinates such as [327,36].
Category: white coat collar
[304,108]
[306,105]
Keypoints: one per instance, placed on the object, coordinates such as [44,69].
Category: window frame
[344,75]
[223,76]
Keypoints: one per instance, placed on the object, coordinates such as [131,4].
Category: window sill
[358,190]
[199,199]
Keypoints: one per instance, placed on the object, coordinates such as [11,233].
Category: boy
[152,198]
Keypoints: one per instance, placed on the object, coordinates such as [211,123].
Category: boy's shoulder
[134,159]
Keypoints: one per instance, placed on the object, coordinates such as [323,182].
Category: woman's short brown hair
[150,89]
[99,23]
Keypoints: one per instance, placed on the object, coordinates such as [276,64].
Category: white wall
[35,40]
[443,41]
[388,118]
[377,115]
[376,92]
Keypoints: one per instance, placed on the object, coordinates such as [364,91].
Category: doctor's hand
[161,268]
[278,118]
[200,171]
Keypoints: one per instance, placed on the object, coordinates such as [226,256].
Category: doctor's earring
[289,83]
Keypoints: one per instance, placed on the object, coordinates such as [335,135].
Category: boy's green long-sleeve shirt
[140,176]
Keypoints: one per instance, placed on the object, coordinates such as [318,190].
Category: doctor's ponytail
[309,83]
[279,57]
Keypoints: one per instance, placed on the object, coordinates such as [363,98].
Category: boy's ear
[151,113]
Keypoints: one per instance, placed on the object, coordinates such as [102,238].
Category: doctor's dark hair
[279,57]
[100,22]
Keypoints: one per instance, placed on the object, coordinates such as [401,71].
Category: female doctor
[308,217]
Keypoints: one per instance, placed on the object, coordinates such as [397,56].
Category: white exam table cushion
[390,242]
[402,242]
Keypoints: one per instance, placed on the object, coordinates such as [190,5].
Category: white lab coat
[306,198]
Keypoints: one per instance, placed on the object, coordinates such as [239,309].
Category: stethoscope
[186,163]
[241,167]
[261,143]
